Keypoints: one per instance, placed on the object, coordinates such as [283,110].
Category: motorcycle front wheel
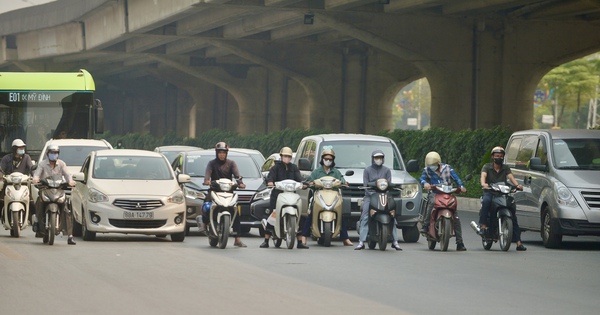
[445,229]
[326,235]
[290,236]
[52,230]
[223,232]
[506,232]
[15,224]
[382,237]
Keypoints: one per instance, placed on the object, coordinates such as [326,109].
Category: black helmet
[498,149]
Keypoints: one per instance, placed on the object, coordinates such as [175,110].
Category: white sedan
[128,191]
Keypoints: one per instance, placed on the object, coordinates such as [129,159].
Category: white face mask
[378,162]
[433,167]
[327,163]
[21,151]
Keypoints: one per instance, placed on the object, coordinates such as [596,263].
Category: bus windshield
[36,107]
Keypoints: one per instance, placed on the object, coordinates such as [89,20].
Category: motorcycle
[222,213]
[382,211]
[287,212]
[53,195]
[327,209]
[441,227]
[500,228]
[16,203]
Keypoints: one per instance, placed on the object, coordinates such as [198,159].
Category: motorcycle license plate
[138,215]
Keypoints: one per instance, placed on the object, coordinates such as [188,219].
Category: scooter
[441,227]
[327,209]
[500,228]
[287,212]
[16,203]
[52,193]
[382,211]
[223,211]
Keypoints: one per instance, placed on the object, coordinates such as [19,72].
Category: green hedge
[465,150]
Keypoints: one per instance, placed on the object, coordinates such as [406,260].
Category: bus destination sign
[36,97]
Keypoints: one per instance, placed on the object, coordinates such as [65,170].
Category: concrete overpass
[260,65]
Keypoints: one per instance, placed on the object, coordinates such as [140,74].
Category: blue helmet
[206,206]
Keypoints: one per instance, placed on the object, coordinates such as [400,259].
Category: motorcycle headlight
[564,196]
[382,184]
[176,197]
[225,186]
[16,179]
[409,191]
[96,196]
[327,184]
[263,194]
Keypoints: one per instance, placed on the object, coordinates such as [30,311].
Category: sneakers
[360,246]
[264,244]
[396,246]
[521,248]
[301,245]
[460,247]
[482,231]
[70,241]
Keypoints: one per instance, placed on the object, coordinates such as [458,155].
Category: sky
[9,5]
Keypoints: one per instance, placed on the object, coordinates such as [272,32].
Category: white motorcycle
[16,203]
[222,211]
[287,213]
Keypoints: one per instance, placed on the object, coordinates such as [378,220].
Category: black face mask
[499,161]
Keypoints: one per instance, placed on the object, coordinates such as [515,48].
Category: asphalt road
[129,274]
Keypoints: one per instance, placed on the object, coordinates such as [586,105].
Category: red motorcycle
[441,226]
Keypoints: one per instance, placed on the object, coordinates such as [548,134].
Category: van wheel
[410,234]
[549,237]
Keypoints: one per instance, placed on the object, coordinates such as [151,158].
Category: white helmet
[18,143]
[433,158]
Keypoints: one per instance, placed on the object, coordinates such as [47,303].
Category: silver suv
[560,174]
[352,156]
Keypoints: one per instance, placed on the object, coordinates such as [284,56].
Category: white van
[560,174]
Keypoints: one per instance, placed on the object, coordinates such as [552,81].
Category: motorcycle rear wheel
[326,235]
[445,230]
[224,231]
[290,236]
[506,230]
[382,237]
[52,230]
[15,224]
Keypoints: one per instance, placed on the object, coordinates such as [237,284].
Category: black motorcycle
[382,210]
[500,227]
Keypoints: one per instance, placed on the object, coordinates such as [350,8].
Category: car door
[524,147]
[78,193]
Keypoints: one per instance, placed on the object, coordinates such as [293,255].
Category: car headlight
[176,197]
[564,196]
[263,194]
[193,194]
[96,196]
[409,191]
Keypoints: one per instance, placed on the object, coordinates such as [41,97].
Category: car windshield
[357,154]
[170,155]
[75,155]
[131,167]
[195,165]
[577,154]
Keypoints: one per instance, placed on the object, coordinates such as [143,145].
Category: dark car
[193,163]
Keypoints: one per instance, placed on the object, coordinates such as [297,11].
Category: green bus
[38,106]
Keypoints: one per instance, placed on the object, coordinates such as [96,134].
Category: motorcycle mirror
[349,173]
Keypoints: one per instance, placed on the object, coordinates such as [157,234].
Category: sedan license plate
[138,215]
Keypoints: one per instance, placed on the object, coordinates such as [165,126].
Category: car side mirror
[79,177]
[412,166]
[183,178]
[304,164]
[535,164]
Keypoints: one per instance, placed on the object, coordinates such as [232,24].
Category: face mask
[21,151]
[433,168]
[499,161]
[286,159]
[327,163]
[53,156]
[378,162]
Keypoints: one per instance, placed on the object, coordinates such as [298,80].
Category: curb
[468,204]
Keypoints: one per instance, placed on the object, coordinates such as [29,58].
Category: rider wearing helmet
[327,168]
[497,172]
[436,172]
[221,167]
[17,160]
[282,170]
[46,168]
[372,173]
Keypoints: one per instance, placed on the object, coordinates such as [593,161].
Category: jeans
[364,222]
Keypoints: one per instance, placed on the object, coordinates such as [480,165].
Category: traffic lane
[129,274]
